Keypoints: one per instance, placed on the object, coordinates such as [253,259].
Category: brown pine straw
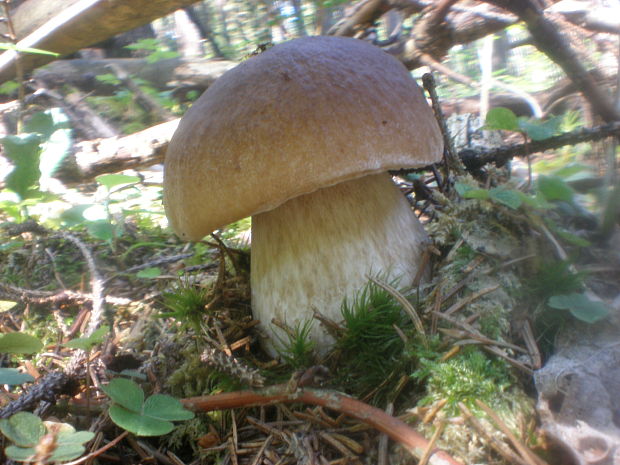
[396,429]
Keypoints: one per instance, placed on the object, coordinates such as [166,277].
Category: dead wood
[65,26]
[140,150]
[474,160]
[395,428]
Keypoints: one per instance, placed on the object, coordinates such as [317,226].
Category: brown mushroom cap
[301,116]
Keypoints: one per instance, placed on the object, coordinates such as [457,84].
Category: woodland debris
[393,427]
[65,26]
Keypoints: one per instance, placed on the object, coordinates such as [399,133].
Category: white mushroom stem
[316,249]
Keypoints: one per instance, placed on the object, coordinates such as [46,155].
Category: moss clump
[466,377]
[370,353]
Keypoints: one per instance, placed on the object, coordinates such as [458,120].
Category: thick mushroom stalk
[316,249]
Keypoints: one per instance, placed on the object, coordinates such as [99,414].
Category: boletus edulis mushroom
[301,137]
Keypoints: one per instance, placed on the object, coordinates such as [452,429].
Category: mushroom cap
[303,115]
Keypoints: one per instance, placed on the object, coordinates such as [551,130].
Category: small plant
[156,51]
[150,417]
[468,376]
[370,348]
[87,343]
[36,441]
[99,219]
[186,304]
[35,155]
[17,343]
[296,348]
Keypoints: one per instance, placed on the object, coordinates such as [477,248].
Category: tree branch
[474,160]
[549,40]
[396,429]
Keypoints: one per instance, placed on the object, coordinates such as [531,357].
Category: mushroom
[301,137]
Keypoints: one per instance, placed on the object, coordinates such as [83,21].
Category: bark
[111,155]
[548,39]
[204,29]
[474,160]
[65,26]
[187,35]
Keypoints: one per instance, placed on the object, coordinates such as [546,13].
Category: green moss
[371,353]
[466,377]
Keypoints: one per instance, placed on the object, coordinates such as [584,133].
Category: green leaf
[138,424]
[144,44]
[509,197]
[74,437]
[42,123]
[19,343]
[149,273]
[23,428]
[572,238]
[74,215]
[573,171]
[21,454]
[58,143]
[554,188]
[108,78]
[126,393]
[501,118]
[6,305]
[8,87]
[101,229]
[17,48]
[66,452]
[537,201]
[150,418]
[24,152]
[580,306]
[462,188]
[539,130]
[68,447]
[14,377]
[164,407]
[161,55]
[482,194]
[86,343]
[111,180]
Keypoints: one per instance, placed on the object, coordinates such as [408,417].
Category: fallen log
[111,155]
[65,26]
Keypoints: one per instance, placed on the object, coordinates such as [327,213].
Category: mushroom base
[315,250]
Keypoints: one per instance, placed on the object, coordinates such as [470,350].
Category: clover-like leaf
[125,393]
[166,407]
[19,343]
[580,306]
[24,429]
[13,377]
[152,417]
[138,424]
